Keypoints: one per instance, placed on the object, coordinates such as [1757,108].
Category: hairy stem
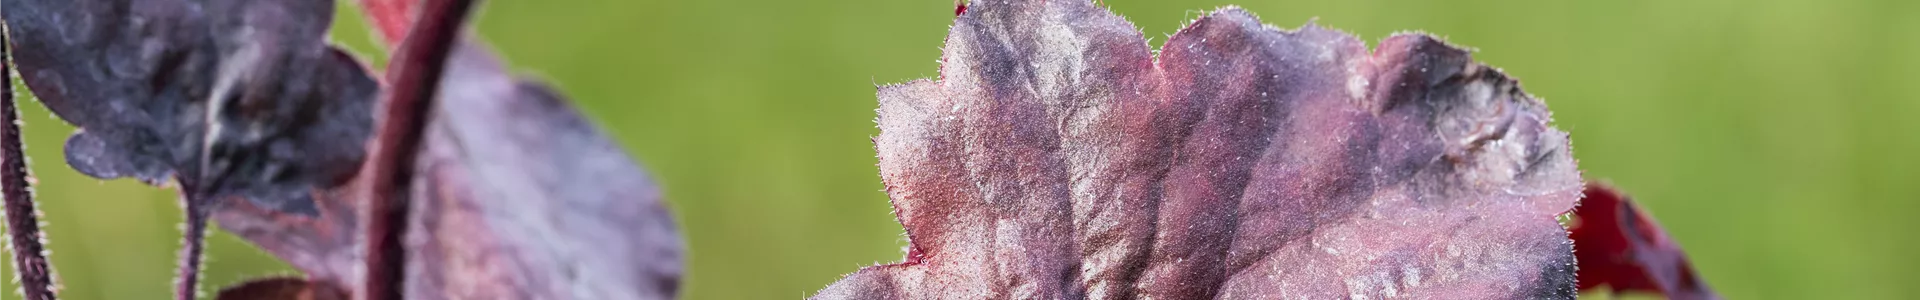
[415,75]
[186,280]
[23,219]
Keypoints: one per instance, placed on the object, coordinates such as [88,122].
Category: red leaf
[390,18]
[281,288]
[1620,247]
[1057,157]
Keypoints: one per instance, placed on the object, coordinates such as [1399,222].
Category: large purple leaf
[1057,157]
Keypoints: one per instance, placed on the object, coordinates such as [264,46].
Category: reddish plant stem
[186,284]
[23,219]
[415,73]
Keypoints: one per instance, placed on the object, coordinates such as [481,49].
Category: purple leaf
[1057,157]
[511,167]
[231,99]
[289,113]
[514,193]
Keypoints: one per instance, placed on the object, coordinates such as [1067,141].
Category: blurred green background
[1776,140]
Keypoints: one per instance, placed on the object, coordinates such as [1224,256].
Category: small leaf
[1623,249]
[1058,158]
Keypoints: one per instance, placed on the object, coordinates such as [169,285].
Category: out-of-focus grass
[1775,139]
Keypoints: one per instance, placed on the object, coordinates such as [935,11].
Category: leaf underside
[1058,158]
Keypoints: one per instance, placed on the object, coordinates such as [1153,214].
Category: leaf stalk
[31,268]
[415,74]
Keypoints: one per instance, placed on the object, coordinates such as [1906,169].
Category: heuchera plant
[1058,158]
[471,183]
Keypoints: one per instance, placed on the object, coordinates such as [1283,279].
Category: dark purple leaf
[514,194]
[290,114]
[1057,157]
[1624,250]
[228,98]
